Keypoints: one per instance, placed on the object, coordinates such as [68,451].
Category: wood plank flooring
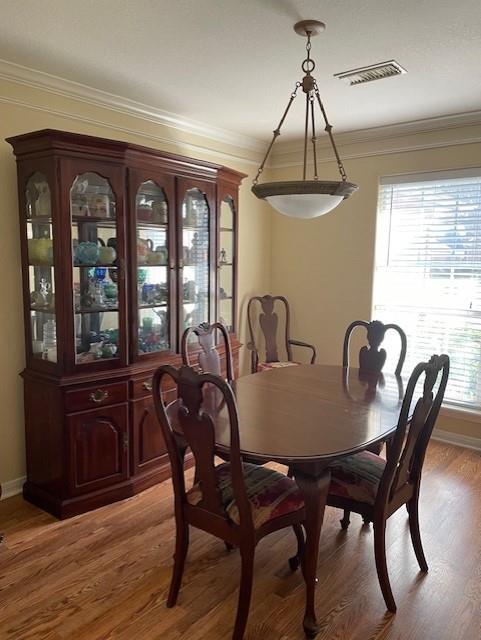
[104,575]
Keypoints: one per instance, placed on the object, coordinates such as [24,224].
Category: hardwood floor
[104,575]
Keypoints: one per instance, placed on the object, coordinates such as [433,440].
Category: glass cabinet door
[195,259]
[225,264]
[41,275]
[95,268]
[153,289]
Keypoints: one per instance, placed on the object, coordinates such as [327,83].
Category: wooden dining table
[306,417]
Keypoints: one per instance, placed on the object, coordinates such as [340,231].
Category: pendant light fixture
[306,198]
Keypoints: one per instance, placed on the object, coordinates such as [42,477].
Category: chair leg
[296,560]
[345,522]
[416,534]
[181,547]
[381,566]
[245,591]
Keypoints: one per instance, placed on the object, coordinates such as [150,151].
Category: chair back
[194,427]
[406,454]
[372,358]
[268,320]
[209,360]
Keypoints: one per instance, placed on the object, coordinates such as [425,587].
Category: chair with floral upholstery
[210,361]
[238,502]
[372,359]
[268,320]
[376,488]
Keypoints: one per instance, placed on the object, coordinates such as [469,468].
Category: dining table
[306,417]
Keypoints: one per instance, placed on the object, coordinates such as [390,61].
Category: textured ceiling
[233,63]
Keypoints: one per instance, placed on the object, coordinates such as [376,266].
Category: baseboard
[12,487]
[457,438]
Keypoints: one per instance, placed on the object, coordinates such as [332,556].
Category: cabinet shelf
[93,265]
[226,229]
[40,219]
[98,220]
[190,227]
[155,305]
[143,224]
[80,312]
[225,264]
[47,310]
[145,265]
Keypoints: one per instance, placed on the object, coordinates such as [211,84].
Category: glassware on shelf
[157,256]
[43,297]
[95,273]
[50,341]
[144,246]
[40,250]
[38,198]
[225,280]
[97,336]
[151,204]
[195,242]
[153,332]
[86,253]
[107,253]
[152,273]
[91,196]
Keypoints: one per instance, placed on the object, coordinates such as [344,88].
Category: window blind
[428,272]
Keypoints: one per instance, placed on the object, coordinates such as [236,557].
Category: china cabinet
[123,247]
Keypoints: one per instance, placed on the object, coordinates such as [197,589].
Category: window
[428,272]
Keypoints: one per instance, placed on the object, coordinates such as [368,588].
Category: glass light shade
[304,205]
[304,198]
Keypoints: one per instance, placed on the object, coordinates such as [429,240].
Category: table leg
[315,489]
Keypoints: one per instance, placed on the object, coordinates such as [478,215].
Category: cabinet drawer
[100,395]
[142,388]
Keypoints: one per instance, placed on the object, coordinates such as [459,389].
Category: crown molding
[19,74]
[371,142]
[388,139]
[179,145]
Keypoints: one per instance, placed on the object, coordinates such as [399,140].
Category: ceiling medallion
[306,198]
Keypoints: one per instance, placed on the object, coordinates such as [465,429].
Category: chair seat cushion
[265,366]
[270,493]
[357,477]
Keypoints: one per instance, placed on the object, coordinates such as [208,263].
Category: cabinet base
[69,507]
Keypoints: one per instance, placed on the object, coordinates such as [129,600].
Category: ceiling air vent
[377,71]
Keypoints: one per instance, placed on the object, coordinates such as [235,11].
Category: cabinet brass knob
[147,386]
[98,396]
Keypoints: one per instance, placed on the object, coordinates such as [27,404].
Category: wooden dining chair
[238,502]
[372,358]
[376,488]
[269,325]
[209,359]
